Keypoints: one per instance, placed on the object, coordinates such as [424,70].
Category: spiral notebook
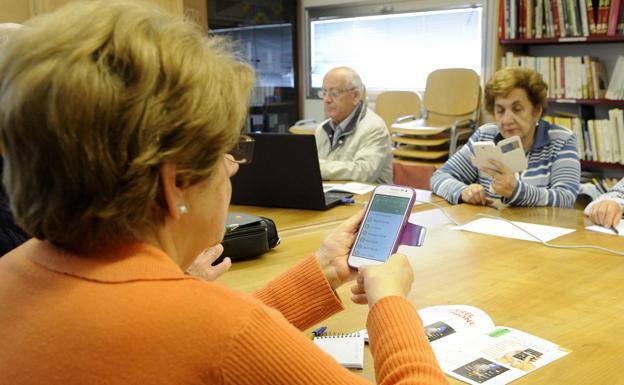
[347,349]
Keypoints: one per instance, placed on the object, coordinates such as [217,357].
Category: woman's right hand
[605,213]
[394,277]
[474,194]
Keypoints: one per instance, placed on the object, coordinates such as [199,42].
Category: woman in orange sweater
[116,121]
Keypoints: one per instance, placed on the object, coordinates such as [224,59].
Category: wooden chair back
[391,105]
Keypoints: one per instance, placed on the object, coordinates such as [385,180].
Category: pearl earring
[182,209]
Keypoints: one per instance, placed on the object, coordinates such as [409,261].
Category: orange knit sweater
[130,316]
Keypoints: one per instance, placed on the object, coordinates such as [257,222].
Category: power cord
[547,244]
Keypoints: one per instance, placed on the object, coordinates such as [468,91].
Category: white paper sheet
[600,229]
[430,218]
[422,196]
[351,187]
[501,228]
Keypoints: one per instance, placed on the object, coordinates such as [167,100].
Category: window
[395,51]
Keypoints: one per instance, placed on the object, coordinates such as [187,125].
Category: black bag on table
[248,236]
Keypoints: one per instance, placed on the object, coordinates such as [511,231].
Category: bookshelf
[583,41]
[565,40]
[588,102]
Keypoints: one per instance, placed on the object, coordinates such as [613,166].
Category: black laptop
[284,173]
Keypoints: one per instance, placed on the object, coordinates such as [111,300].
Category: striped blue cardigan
[552,178]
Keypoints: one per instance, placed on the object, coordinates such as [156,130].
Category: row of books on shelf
[600,140]
[536,19]
[573,77]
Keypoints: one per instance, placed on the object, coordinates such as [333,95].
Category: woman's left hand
[333,253]
[202,266]
[503,180]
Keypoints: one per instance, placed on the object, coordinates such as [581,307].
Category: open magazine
[470,348]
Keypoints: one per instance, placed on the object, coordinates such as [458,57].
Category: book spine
[577,15]
[603,16]
[565,15]
[587,140]
[539,19]
[584,23]
[619,118]
[620,26]
[591,19]
[521,19]
[572,17]
[558,21]
[584,84]
[588,74]
[507,19]
[550,28]
[513,19]
[562,82]
[614,16]
[530,28]
[501,19]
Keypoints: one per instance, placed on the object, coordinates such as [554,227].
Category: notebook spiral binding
[339,335]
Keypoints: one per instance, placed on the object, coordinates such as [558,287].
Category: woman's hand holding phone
[333,253]
[393,278]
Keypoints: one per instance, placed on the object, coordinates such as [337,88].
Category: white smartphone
[378,236]
[508,151]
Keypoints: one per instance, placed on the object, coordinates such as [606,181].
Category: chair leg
[453,143]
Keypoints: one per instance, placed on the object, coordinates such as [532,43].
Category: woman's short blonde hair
[6,30]
[507,79]
[94,98]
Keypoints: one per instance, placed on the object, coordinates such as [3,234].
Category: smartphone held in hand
[378,236]
[508,151]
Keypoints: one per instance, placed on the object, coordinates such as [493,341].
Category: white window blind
[396,51]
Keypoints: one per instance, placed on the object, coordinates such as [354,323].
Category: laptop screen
[284,173]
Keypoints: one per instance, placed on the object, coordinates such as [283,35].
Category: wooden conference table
[574,298]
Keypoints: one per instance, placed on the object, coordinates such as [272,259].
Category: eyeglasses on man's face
[333,93]
[242,152]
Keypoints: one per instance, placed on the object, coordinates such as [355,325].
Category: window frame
[395,7]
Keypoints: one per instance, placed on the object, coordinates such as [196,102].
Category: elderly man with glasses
[354,142]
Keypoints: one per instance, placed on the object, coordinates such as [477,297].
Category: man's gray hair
[354,81]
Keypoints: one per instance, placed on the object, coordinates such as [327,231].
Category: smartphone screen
[381,227]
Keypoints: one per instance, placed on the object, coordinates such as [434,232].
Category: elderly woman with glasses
[517,99]
[116,133]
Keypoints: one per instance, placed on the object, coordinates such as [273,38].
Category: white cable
[616,252]
[441,209]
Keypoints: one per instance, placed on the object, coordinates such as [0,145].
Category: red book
[522,20]
[501,19]
[614,16]
[591,18]
[603,16]
[555,13]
